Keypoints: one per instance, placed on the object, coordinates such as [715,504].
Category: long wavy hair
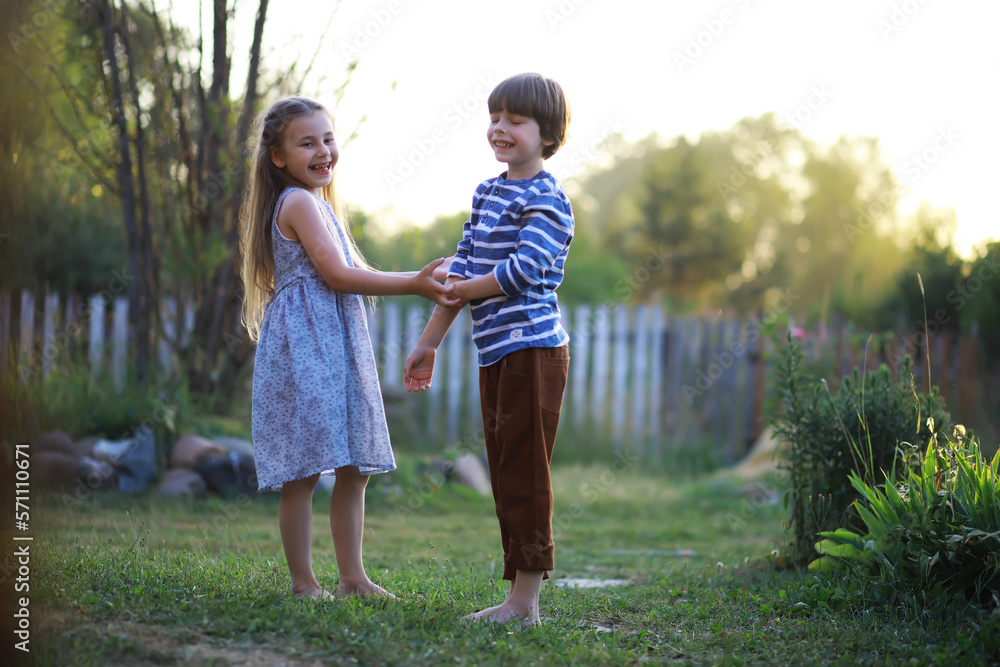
[265,182]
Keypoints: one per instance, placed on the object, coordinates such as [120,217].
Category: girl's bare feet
[314,593]
[364,589]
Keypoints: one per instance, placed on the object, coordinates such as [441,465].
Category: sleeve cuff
[500,273]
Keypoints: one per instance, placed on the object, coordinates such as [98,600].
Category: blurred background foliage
[723,222]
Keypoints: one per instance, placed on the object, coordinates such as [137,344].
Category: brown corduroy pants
[521,397]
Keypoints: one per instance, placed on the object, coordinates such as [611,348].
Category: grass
[150,582]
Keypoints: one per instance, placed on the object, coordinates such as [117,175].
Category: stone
[763,458]
[85,446]
[230,474]
[182,483]
[54,469]
[191,451]
[54,441]
[238,445]
[96,475]
[470,472]
[137,470]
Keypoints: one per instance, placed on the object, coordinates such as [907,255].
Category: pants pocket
[555,370]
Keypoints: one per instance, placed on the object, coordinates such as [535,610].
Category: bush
[935,532]
[71,399]
[829,436]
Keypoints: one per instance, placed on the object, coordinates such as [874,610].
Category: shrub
[936,531]
[831,435]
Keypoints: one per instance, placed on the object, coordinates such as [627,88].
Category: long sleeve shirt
[520,230]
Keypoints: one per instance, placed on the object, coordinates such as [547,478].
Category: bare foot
[365,589]
[507,612]
[314,593]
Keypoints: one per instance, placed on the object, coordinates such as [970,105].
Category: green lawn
[145,581]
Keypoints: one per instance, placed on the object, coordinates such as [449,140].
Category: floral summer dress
[317,404]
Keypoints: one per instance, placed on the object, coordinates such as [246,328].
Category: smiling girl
[317,408]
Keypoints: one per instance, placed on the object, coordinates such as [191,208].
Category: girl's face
[517,140]
[308,151]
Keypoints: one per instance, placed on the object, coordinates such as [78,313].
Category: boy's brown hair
[536,97]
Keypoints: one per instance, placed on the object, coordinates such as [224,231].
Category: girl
[317,408]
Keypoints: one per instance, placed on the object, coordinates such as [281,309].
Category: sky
[922,75]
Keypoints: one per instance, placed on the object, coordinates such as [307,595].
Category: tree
[178,187]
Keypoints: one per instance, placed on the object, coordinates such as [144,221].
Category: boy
[507,267]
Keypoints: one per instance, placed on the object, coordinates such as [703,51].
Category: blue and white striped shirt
[520,230]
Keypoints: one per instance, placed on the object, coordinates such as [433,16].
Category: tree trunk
[226,307]
[149,287]
[125,177]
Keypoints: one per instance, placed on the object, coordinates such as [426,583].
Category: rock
[764,457]
[230,475]
[441,465]
[182,483]
[55,469]
[238,445]
[96,475]
[111,451]
[470,472]
[138,467]
[55,441]
[134,460]
[85,446]
[191,451]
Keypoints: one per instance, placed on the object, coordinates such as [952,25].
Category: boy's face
[517,141]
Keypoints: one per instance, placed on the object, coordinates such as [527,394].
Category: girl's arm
[301,213]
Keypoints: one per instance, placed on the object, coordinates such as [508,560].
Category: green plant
[829,436]
[72,399]
[18,404]
[935,531]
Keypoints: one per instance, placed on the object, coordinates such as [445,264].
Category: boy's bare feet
[506,612]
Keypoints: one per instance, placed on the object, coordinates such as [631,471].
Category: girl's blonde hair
[265,182]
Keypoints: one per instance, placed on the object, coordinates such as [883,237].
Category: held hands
[419,368]
[425,284]
[441,272]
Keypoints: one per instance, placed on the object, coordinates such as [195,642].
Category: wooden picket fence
[639,377]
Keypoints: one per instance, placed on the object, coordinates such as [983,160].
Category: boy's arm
[547,231]
[461,256]
[479,287]
[419,368]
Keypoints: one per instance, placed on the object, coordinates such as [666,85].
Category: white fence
[638,377]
